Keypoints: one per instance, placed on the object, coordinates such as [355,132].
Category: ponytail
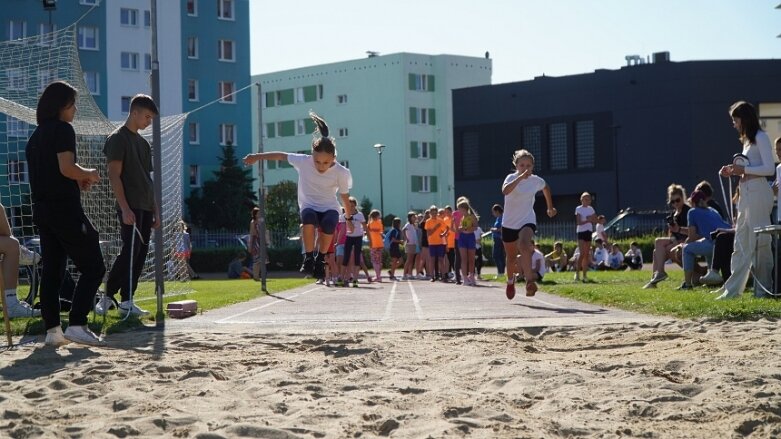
[323,143]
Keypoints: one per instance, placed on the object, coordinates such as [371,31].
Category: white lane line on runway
[415,301]
[389,305]
[225,320]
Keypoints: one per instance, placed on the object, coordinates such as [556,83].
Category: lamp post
[379,147]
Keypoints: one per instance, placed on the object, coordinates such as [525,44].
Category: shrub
[215,260]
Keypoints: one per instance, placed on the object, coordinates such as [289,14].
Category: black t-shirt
[424,236]
[46,181]
[682,220]
[717,207]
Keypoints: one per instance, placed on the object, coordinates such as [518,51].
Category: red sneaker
[531,288]
[510,291]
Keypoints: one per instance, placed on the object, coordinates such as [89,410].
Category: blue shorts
[467,241]
[339,249]
[436,250]
[325,220]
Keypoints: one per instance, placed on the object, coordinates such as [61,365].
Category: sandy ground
[664,380]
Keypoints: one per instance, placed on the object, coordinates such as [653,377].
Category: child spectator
[519,222]
[410,234]
[395,242]
[600,255]
[599,229]
[557,259]
[634,257]
[354,226]
[496,233]
[538,262]
[437,243]
[453,270]
[479,252]
[376,245]
[237,269]
[615,259]
[467,242]
[585,217]
[424,258]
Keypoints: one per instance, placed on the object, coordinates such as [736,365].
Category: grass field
[210,294]
[623,289]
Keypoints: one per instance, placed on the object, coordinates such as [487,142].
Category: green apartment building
[402,101]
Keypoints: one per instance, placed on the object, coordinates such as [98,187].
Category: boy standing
[129,159]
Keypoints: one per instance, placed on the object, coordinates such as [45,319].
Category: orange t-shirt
[451,236]
[374,228]
[434,227]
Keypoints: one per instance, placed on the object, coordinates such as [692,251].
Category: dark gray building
[623,135]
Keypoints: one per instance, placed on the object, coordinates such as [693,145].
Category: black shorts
[584,236]
[511,235]
[395,251]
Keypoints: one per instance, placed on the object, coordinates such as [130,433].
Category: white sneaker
[127,307]
[712,278]
[82,335]
[27,256]
[54,337]
[20,308]
[104,304]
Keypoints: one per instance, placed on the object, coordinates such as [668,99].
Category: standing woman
[56,182]
[754,204]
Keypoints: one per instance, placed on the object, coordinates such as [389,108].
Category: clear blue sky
[525,38]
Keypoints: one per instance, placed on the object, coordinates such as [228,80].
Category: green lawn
[210,294]
[623,289]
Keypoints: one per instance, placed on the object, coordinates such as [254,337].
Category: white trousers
[754,206]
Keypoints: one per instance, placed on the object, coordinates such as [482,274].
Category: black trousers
[66,231]
[455,264]
[722,253]
[119,276]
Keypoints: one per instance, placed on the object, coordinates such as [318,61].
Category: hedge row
[213,260]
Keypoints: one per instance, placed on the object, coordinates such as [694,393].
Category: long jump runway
[402,306]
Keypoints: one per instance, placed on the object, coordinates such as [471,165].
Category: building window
[344,132]
[423,150]
[345,163]
[192,47]
[299,95]
[341,99]
[15,79]
[17,30]
[129,61]
[147,18]
[15,127]
[92,79]
[425,183]
[532,142]
[225,50]
[557,138]
[192,8]
[192,90]
[45,77]
[194,133]
[421,82]
[125,104]
[584,144]
[422,116]
[147,62]
[128,17]
[88,2]
[46,34]
[225,9]
[226,90]
[195,176]
[17,171]
[470,154]
[300,127]
[88,37]
[227,134]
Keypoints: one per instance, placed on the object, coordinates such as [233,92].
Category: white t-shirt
[584,212]
[614,260]
[410,234]
[519,204]
[538,258]
[317,191]
[600,255]
[478,236]
[600,229]
[358,219]
[632,254]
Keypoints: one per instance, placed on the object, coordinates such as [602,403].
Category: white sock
[10,295]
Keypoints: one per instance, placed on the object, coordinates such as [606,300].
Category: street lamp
[379,147]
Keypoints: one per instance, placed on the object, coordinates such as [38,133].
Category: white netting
[26,67]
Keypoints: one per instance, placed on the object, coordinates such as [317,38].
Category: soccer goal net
[26,67]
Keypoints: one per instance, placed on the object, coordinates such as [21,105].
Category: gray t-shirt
[136,156]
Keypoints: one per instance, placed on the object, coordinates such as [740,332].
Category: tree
[227,201]
[282,207]
[366,206]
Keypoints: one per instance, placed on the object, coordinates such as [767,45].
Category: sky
[524,38]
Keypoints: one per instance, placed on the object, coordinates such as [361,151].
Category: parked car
[630,223]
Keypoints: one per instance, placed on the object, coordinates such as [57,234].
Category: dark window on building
[532,142]
[584,144]
[471,154]
[557,140]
